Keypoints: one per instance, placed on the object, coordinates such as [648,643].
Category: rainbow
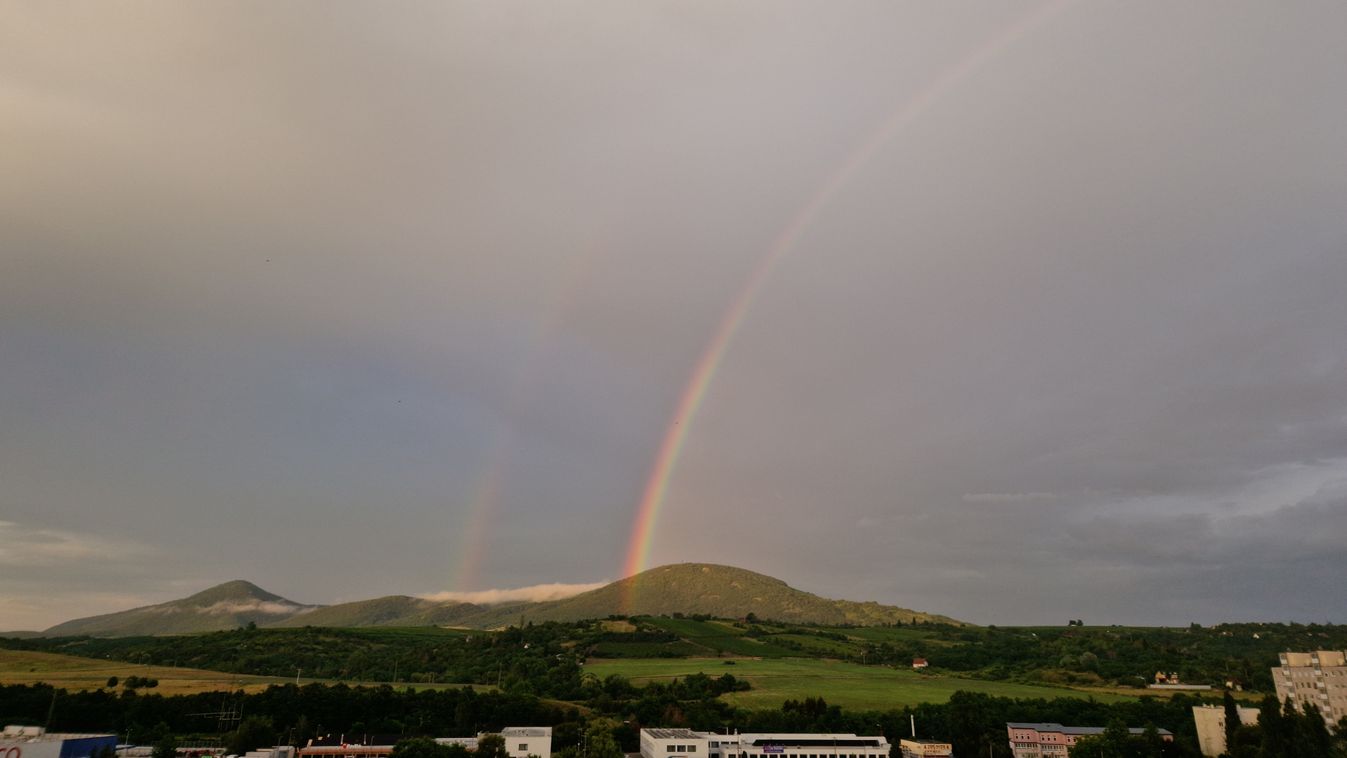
[472,540]
[473,536]
[708,363]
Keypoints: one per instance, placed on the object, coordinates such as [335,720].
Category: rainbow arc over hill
[694,392]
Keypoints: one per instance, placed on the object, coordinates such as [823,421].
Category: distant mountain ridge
[688,588]
[224,606]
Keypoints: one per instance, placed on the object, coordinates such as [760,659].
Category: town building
[1171,681]
[1210,721]
[36,742]
[520,742]
[1319,677]
[524,741]
[1049,740]
[684,743]
[919,663]
[196,751]
[911,747]
[673,743]
[366,746]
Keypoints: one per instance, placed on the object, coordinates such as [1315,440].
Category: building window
[523,747]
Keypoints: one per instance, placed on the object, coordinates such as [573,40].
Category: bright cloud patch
[535,593]
[269,607]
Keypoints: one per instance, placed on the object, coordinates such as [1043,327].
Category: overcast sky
[352,300]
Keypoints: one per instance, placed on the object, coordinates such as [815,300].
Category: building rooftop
[526,731]
[34,734]
[1077,730]
[813,740]
[674,734]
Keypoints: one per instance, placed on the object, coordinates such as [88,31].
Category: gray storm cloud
[282,282]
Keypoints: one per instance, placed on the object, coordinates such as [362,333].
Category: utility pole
[51,711]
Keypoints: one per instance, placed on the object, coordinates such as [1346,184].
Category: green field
[76,673]
[846,684]
[73,672]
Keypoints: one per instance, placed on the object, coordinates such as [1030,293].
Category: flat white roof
[526,731]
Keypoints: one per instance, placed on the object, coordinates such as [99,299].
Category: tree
[1276,723]
[1089,661]
[1340,737]
[599,741]
[1311,734]
[1115,742]
[492,746]
[167,747]
[254,732]
[112,681]
[1232,722]
[422,747]
[1152,745]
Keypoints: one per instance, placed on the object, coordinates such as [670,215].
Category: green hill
[686,588]
[225,606]
[704,588]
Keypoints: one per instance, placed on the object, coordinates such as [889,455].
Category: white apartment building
[1319,677]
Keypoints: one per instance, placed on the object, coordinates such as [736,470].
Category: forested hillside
[546,658]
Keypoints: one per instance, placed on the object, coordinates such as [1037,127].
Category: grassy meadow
[73,672]
[849,685]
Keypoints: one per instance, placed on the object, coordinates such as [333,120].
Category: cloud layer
[535,593]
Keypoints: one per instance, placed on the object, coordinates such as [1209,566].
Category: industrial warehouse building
[685,743]
[36,742]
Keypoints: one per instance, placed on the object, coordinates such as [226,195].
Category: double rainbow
[708,364]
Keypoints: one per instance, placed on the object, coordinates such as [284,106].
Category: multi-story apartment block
[1210,722]
[1319,677]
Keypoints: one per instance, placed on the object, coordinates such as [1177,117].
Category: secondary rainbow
[708,363]
[475,527]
